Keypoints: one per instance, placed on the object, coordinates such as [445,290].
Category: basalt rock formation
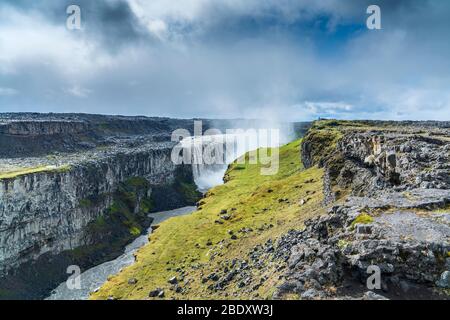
[388,191]
[74,189]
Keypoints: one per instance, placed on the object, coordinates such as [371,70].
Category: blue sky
[284,59]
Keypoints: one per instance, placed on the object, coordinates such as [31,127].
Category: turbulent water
[210,155]
[94,277]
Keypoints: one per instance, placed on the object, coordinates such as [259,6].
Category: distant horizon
[137,116]
[200,118]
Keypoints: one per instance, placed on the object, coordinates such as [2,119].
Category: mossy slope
[11,174]
[199,243]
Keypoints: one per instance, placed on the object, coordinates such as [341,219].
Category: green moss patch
[11,174]
[322,143]
[189,191]
[122,222]
[363,218]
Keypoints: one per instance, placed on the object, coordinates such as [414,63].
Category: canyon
[349,196]
[352,200]
[75,189]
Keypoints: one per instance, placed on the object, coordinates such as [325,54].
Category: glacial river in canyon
[94,277]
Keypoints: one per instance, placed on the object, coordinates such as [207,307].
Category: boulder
[173,280]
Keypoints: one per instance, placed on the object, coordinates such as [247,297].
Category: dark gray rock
[173,280]
[155,293]
[311,294]
[363,229]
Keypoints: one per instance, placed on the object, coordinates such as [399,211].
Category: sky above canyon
[272,59]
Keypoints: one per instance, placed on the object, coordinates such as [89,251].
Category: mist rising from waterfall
[223,149]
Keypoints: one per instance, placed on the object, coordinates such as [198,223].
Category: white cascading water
[224,148]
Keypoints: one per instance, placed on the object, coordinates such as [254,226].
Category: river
[94,277]
[206,176]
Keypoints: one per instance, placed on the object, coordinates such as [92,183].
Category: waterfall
[210,155]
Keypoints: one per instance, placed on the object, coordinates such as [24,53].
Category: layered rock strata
[389,192]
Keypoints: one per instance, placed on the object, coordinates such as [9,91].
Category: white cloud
[415,103]
[158,28]
[26,38]
[78,91]
[8,91]
[160,9]
[396,73]
[191,10]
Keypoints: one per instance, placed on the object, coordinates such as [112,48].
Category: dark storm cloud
[114,22]
[287,58]
[111,22]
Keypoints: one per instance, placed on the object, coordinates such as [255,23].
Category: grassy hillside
[231,220]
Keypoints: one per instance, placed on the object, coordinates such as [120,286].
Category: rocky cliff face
[397,160]
[55,205]
[368,159]
[35,135]
[388,191]
[36,128]
[47,211]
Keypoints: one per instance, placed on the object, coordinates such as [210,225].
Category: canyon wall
[387,193]
[47,211]
[81,205]
[76,188]
[370,156]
